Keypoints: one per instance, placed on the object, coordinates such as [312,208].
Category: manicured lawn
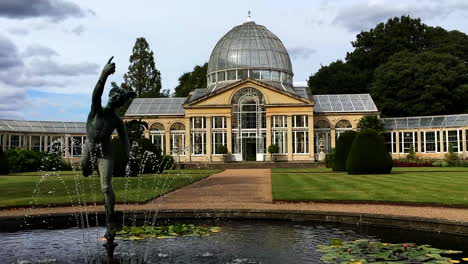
[414,185]
[71,188]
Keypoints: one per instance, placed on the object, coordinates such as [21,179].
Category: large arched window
[158,136]
[342,126]
[322,136]
[177,139]
[248,123]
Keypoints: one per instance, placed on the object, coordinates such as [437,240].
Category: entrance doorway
[249,148]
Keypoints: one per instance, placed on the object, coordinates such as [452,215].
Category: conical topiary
[343,146]
[368,154]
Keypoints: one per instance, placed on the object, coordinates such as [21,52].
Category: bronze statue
[101,123]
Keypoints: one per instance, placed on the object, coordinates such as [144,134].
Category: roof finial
[249,17]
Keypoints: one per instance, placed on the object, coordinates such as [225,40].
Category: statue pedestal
[321,156]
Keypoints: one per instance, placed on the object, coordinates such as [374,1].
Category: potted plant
[222,149]
[273,149]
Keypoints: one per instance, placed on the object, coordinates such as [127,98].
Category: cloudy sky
[51,51]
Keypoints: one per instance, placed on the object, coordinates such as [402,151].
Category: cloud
[56,10]
[9,56]
[18,31]
[13,101]
[363,16]
[301,52]
[39,67]
[78,30]
[34,67]
[39,51]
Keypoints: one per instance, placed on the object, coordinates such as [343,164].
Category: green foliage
[408,67]
[338,78]
[142,75]
[23,160]
[411,155]
[371,121]
[134,129]
[4,168]
[167,163]
[330,158]
[273,149]
[221,149]
[177,230]
[365,251]
[368,154]
[424,83]
[190,81]
[343,146]
[440,164]
[451,155]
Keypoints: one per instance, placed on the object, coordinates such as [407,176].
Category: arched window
[158,136]
[177,139]
[248,124]
[342,126]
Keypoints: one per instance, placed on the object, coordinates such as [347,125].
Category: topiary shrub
[167,163]
[330,158]
[4,169]
[23,160]
[368,154]
[343,145]
[221,149]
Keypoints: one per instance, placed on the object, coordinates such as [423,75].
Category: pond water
[238,242]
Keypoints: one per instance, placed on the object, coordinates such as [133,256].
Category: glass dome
[250,50]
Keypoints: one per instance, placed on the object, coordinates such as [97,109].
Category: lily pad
[366,251]
[169,231]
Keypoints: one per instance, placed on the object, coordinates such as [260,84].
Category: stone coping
[63,220]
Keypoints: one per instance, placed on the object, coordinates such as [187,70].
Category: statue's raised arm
[108,69]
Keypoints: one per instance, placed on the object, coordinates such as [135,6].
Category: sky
[52,51]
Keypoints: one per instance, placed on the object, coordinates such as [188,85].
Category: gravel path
[251,189]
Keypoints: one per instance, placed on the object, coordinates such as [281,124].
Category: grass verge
[70,188]
[445,186]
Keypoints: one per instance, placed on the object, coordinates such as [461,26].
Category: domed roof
[249,46]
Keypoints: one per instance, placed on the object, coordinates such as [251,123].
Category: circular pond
[241,241]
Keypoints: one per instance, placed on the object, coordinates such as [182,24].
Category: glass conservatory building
[249,103]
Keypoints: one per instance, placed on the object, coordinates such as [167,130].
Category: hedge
[368,154]
[343,146]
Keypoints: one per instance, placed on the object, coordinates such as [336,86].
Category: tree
[338,78]
[142,75]
[371,121]
[427,83]
[379,46]
[190,81]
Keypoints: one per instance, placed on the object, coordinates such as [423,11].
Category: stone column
[208,149]
[465,151]
[229,134]
[188,145]
[397,140]
[441,141]
[147,133]
[45,143]
[167,141]
[419,142]
[311,137]
[290,137]
[332,138]
[268,136]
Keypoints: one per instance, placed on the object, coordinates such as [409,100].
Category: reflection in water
[238,242]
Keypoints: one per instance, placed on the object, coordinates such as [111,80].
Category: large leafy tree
[142,75]
[376,47]
[190,81]
[424,83]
